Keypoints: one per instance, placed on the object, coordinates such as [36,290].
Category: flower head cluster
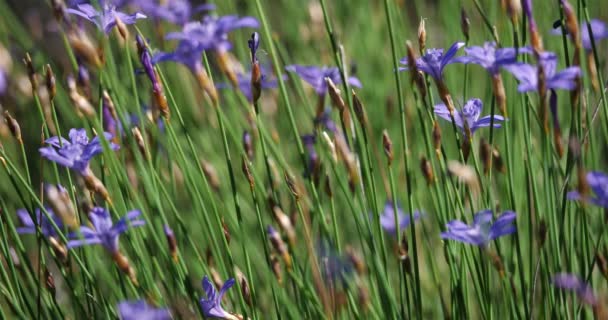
[75,153]
[567,281]
[489,56]
[434,61]
[212,305]
[174,11]
[483,230]
[196,37]
[140,310]
[244,82]
[212,32]
[598,28]
[528,74]
[469,113]
[598,182]
[387,219]
[104,232]
[315,76]
[106,18]
[46,226]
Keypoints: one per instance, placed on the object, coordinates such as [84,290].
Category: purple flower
[315,76]
[244,81]
[140,310]
[174,11]
[146,61]
[469,113]
[333,266]
[326,121]
[567,281]
[387,218]
[46,226]
[212,306]
[104,232]
[76,153]
[313,158]
[490,57]
[483,230]
[433,62]
[105,19]
[528,74]
[212,32]
[598,28]
[186,53]
[254,44]
[598,182]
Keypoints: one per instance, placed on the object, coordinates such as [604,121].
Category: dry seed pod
[359,110]
[50,83]
[13,126]
[245,292]
[485,153]
[421,36]
[334,94]
[211,175]
[465,24]
[285,223]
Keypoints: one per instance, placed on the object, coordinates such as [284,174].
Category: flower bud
[226,231]
[50,83]
[95,185]
[334,94]
[256,82]
[388,147]
[13,126]
[60,201]
[31,72]
[211,175]
[359,110]
[171,241]
[285,223]
[248,144]
[276,268]
[122,28]
[291,184]
[427,170]
[82,104]
[437,138]
[465,24]
[279,246]
[245,292]
[139,140]
[247,172]
[514,10]
[485,152]
[421,36]
[123,264]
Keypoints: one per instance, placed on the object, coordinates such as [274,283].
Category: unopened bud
[84,47]
[13,126]
[334,94]
[291,184]
[356,259]
[279,246]
[276,268]
[388,147]
[31,72]
[123,264]
[427,170]
[514,10]
[542,233]
[497,162]
[285,223]
[256,82]
[122,28]
[359,110]
[49,282]
[436,138]
[245,292]
[497,263]
[421,36]
[226,231]
[95,185]
[139,140]
[60,201]
[247,172]
[248,144]
[465,24]
[50,82]
[82,104]
[171,242]
[211,175]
